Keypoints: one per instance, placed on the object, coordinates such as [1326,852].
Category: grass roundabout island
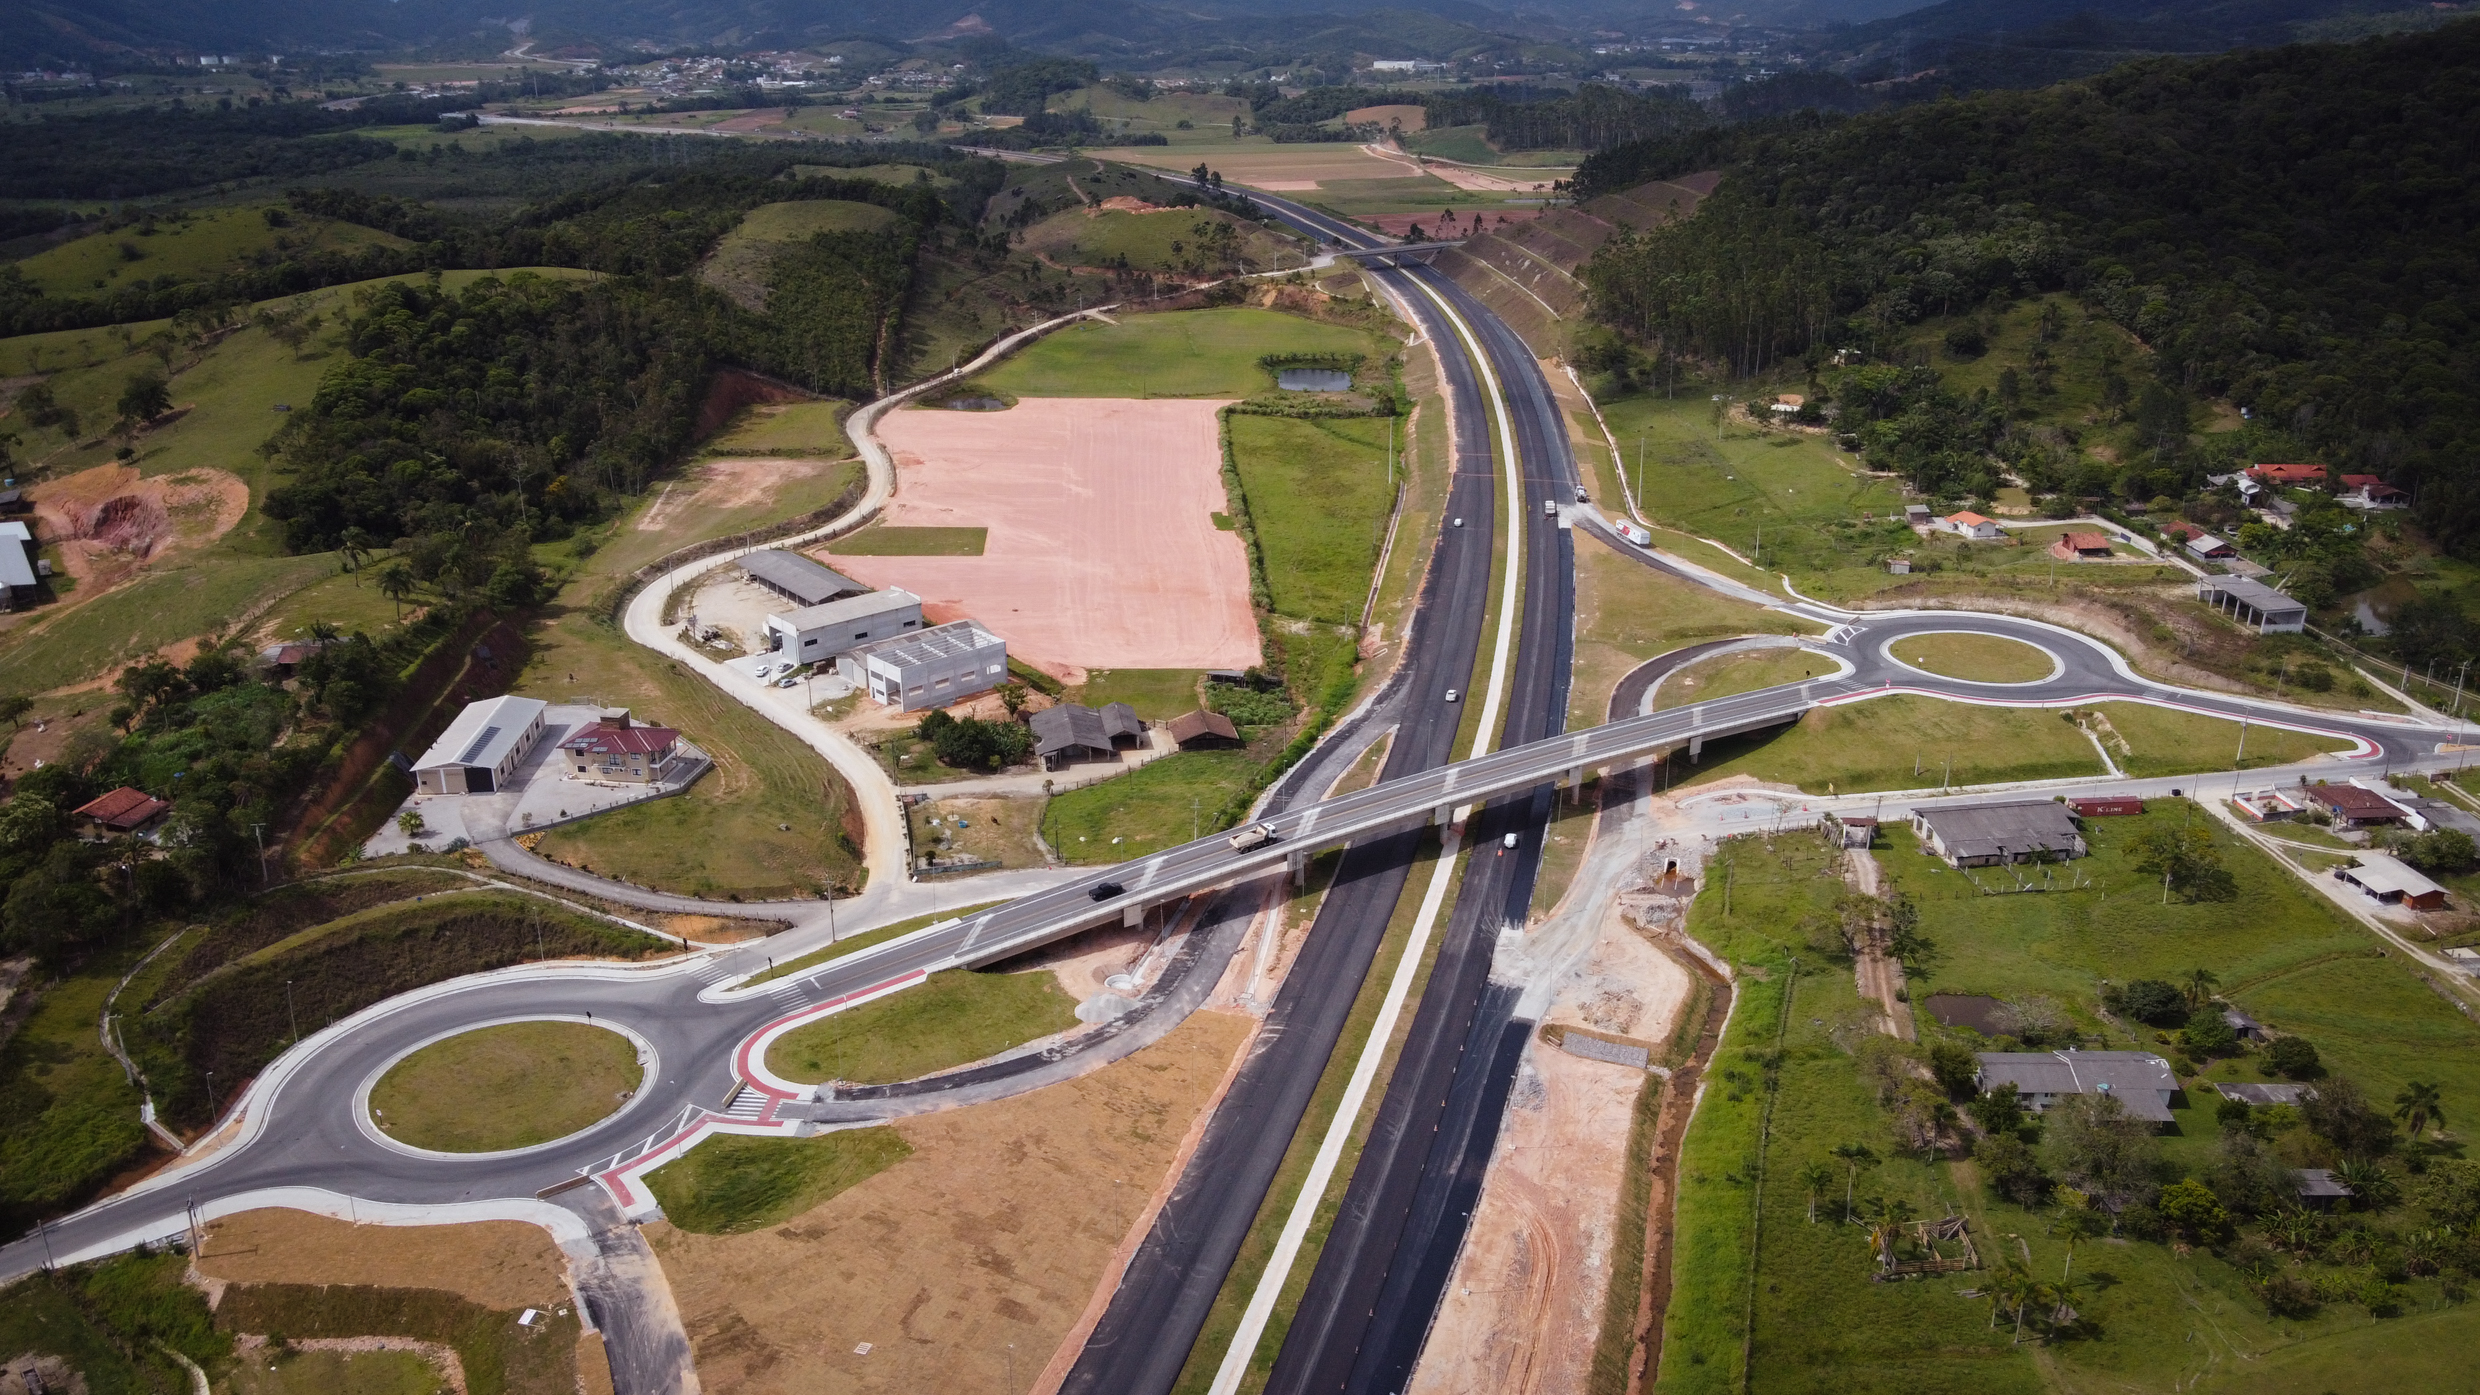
[509,1086]
[1974,658]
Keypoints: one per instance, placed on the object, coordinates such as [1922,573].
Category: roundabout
[504,1089]
[1975,656]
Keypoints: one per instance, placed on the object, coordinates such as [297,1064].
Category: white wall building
[927,668]
[480,750]
[816,633]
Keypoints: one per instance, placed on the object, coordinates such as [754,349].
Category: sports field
[1100,549]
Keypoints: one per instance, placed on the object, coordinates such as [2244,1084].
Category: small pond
[1314,380]
[974,404]
[1977,1011]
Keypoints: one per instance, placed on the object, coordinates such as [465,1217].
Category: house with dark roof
[2139,1080]
[2252,603]
[117,813]
[1204,731]
[1999,831]
[14,501]
[1072,732]
[2319,1187]
[21,572]
[2370,492]
[2247,1028]
[621,750]
[797,578]
[2353,807]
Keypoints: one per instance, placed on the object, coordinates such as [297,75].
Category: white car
[1453,693]
[1508,842]
[787,682]
[1459,523]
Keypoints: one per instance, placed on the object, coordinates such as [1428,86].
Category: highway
[304,1126]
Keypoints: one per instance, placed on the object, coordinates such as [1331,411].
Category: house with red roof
[2371,492]
[123,811]
[2287,476]
[1971,525]
[617,748]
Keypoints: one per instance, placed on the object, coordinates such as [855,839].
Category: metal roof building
[2391,881]
[798,579]
[927,668]
[817,632]
[2253,603]
[2139,1080]
[480,749]
[1983,835]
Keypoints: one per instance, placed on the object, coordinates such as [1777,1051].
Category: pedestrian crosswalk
[748,1105]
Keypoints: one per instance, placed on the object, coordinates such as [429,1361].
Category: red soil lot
[1102,551]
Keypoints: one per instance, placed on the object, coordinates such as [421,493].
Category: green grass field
[955,1018]
[68,1116]
[1722,677]
[1152,807]
[196,593]
[788,428]
[880,540]
[202,245]
[2163,742]
[744,259]
[510,1086]
[1900,743]
[338,1373]
[626,543]
[1319,495]
[1164,241]
[1158,694]
[1975,658]
[1627,612]
[882,174]
[730,1184]
[1196,353]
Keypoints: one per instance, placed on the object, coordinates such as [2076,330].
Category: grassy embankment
[509,1086]
[952,1019]
[190,246]
[1627,612]
[730,1184]
[1316,494]
[2155,1319]
[741,262]
[1975,658]
[854,943]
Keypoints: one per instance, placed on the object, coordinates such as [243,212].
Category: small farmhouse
[1999,831]
[2139,1080]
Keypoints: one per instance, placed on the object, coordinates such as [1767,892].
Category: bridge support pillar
[1696,748]
[1299,863]
[1134,915]
[1575,785]
[1441,816]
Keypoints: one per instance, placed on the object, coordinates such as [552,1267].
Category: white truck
[1633,532]
[1253,837]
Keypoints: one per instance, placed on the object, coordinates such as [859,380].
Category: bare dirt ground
[728,484]
[1102,549]
[1524,1305]
[963,1266]
[109,523]
[498,1264]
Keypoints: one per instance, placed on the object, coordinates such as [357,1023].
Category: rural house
[1203,731]
[616,748]
[21,574]
[2081,547]
[122,811]
[2000,831]
[1071,732]
[2392,882]
[1968,524]
[2287,476]
[2139,1080]
[2353,807]
[2205,547]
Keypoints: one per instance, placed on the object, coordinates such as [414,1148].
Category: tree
[1855,1156]
[2441,850]
[2198,987]
[2418,1106]
[410,822]
[354,543]
[1012,695]
[2100,1149]
[2153,1002]
[2450,1191]
[2186,859]
[1815,1176]
[2076,1221]
[2341,1115]
[2013,1168]
[2292,1056]
[2192,1207]
[1999,1111]
[13,710]
[145,398]
[396,583]
[2372,1187]
[2207,1035]
[1954,1065]
[1886,1221]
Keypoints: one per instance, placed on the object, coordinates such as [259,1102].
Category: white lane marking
[1504,649]
[1253,1320]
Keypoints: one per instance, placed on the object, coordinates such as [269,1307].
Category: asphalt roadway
[303,1125]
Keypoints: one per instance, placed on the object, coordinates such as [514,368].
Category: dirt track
[1102,549]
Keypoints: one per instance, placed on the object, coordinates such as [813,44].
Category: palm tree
[1856,1156]
[2418,1106]
[354,543]
[1816,1177]
[2076,1221]
[2199,989]
[1886,1222]
[2372,1187]
[396,583]
[2002,1284]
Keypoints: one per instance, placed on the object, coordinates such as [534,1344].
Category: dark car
[1104,891]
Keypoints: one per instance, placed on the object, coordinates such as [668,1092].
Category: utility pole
[2241,762]
[259,831]
[289,1015]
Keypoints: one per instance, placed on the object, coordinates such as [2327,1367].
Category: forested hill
[2291,228]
